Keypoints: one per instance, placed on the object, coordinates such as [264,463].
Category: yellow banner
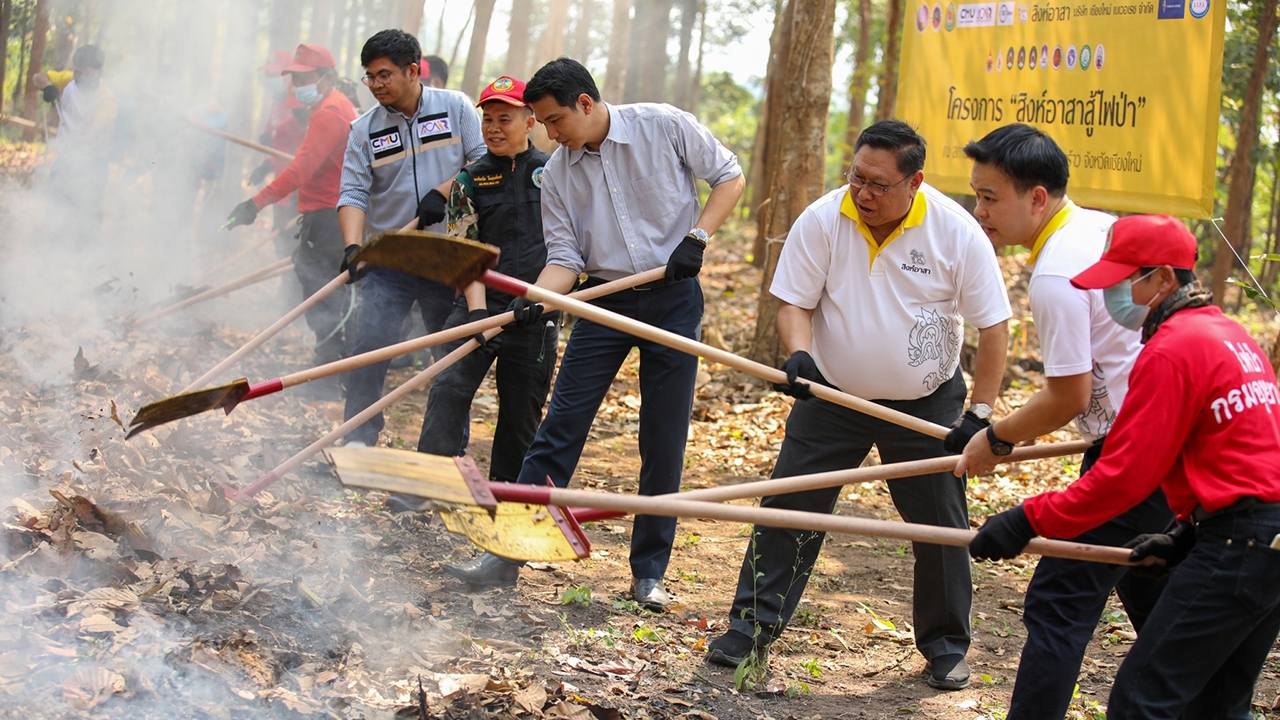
[1129,89]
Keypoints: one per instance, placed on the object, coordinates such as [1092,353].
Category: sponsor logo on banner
[1044,56]
[937,18]
[1005,13]
[1008,60]
[922,18]
[1199,8]
[976,15]
[1022,13]
[1098,54]
[1033,57]
[1057,56]
[1086,57]
[1171,9]
[1071,57]
[990,62]
[950,23]
[1022,57]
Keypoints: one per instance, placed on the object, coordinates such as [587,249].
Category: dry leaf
[89,687]
[568,711]
[531,698]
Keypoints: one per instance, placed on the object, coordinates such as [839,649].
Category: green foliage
[580,595]
[731,112]
[812,667]
[644,633]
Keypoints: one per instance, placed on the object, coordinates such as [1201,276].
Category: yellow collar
[915,217]
[1060,218]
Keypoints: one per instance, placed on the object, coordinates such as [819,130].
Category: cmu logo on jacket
[385,143]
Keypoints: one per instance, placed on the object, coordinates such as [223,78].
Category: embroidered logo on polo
[434,127]
[917,264]
[537,177]
[385,143]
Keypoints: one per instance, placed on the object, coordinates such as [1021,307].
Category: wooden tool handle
[456,333]
[270,332]
[693,347]
[274,269]
[240,141]
[912,468]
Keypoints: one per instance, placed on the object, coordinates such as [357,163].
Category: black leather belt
[591,282]
[1245,503]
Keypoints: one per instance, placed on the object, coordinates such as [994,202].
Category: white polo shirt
[1076,333]
[888,319]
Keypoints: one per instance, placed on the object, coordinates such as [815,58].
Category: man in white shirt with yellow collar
[1020,177]
[876,280]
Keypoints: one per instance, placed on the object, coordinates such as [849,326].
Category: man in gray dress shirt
[618,198]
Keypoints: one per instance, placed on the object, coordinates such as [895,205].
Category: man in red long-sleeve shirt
[315,174]
[1202,421]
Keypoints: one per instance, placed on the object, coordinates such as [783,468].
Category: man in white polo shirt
[876,280]
[1020,177]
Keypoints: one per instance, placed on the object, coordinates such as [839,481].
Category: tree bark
[1271,269]
[285,25]
[475,55]
[39,37]
[551,44]
[413,13]
[636,47]
[795,172]
[518,39]
[889,76]
[859,82]
[653,76]
[695,92]
[760,151]
[6,16]
[619,34]
[682,91]
[582,31]
[453,57]
[1236,221]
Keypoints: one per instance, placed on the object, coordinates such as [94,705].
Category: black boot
[488,570]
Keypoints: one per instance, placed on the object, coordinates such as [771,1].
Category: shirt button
[615,189]
[633,244]
[624,217]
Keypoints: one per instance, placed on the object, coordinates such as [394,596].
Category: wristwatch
[999,448]
[982,411]
[699,234]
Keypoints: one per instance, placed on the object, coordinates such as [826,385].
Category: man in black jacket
[497,200]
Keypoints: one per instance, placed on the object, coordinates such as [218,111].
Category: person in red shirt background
[315,174]
[1202,421]
[283,131]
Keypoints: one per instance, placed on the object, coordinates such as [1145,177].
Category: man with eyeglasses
[401,158]
[876,281]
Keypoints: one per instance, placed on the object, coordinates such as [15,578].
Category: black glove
[243,214]
[430,209]
[799,365]
[1003,536]
[50,93]
[1169,548]
[347,266]
[686,260]
[527,311]
[261,172]
[477,316]
[963,430]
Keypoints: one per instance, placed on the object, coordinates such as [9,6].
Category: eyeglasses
[379,80]
[877,190]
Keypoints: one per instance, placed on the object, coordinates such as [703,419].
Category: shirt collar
[1060,218]
[619,132]
[914,218]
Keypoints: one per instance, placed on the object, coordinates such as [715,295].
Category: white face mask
[1122,308]
[308,94]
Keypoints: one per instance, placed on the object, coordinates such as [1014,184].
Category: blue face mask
[307,94]
[1122,308]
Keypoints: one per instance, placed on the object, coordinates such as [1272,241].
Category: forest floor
[130,588]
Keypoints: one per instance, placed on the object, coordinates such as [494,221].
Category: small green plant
[1115,616]
[644,633]
[806,617]
[812,667]
[992,681]
[580,595]
[797,688]
[751,671]
[691,539]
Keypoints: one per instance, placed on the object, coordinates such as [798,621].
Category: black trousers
[823,437]
[1065,600]
[526,357]
[315,262]
[1204,645]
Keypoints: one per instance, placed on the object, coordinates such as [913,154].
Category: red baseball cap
[1140,241]
[278,62]
[310,57]
[505,89]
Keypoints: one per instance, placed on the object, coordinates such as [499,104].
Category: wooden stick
[240,141]
[693,347]
[271,331]
[273,270]
[20,122]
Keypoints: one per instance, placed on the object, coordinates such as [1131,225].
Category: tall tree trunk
[1270,269]
[683,86]
[285,24]
[796,168]
[39,36]
[338,12]
[695,92]
[6,16]
[551,44]
[1236,222]
[64,37]
[582,31]
[322,25]
[440,32]
[619,34]
[889,75]
[653,76]
[518,39]
[859,82]
[413,12]
[760,147]
[475,55]
[636,50]
[453,57]
[22,59]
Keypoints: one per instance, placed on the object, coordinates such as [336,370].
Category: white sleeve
[801,276]
[983,300]
[1063,322]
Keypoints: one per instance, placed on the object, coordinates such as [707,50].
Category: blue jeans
[591,361]
[1204,645]
[386,297]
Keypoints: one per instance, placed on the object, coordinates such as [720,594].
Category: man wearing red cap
[283,131]
[498,200]
[315,174]
[1202,421]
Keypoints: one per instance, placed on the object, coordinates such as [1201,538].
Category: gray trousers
[823,437]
